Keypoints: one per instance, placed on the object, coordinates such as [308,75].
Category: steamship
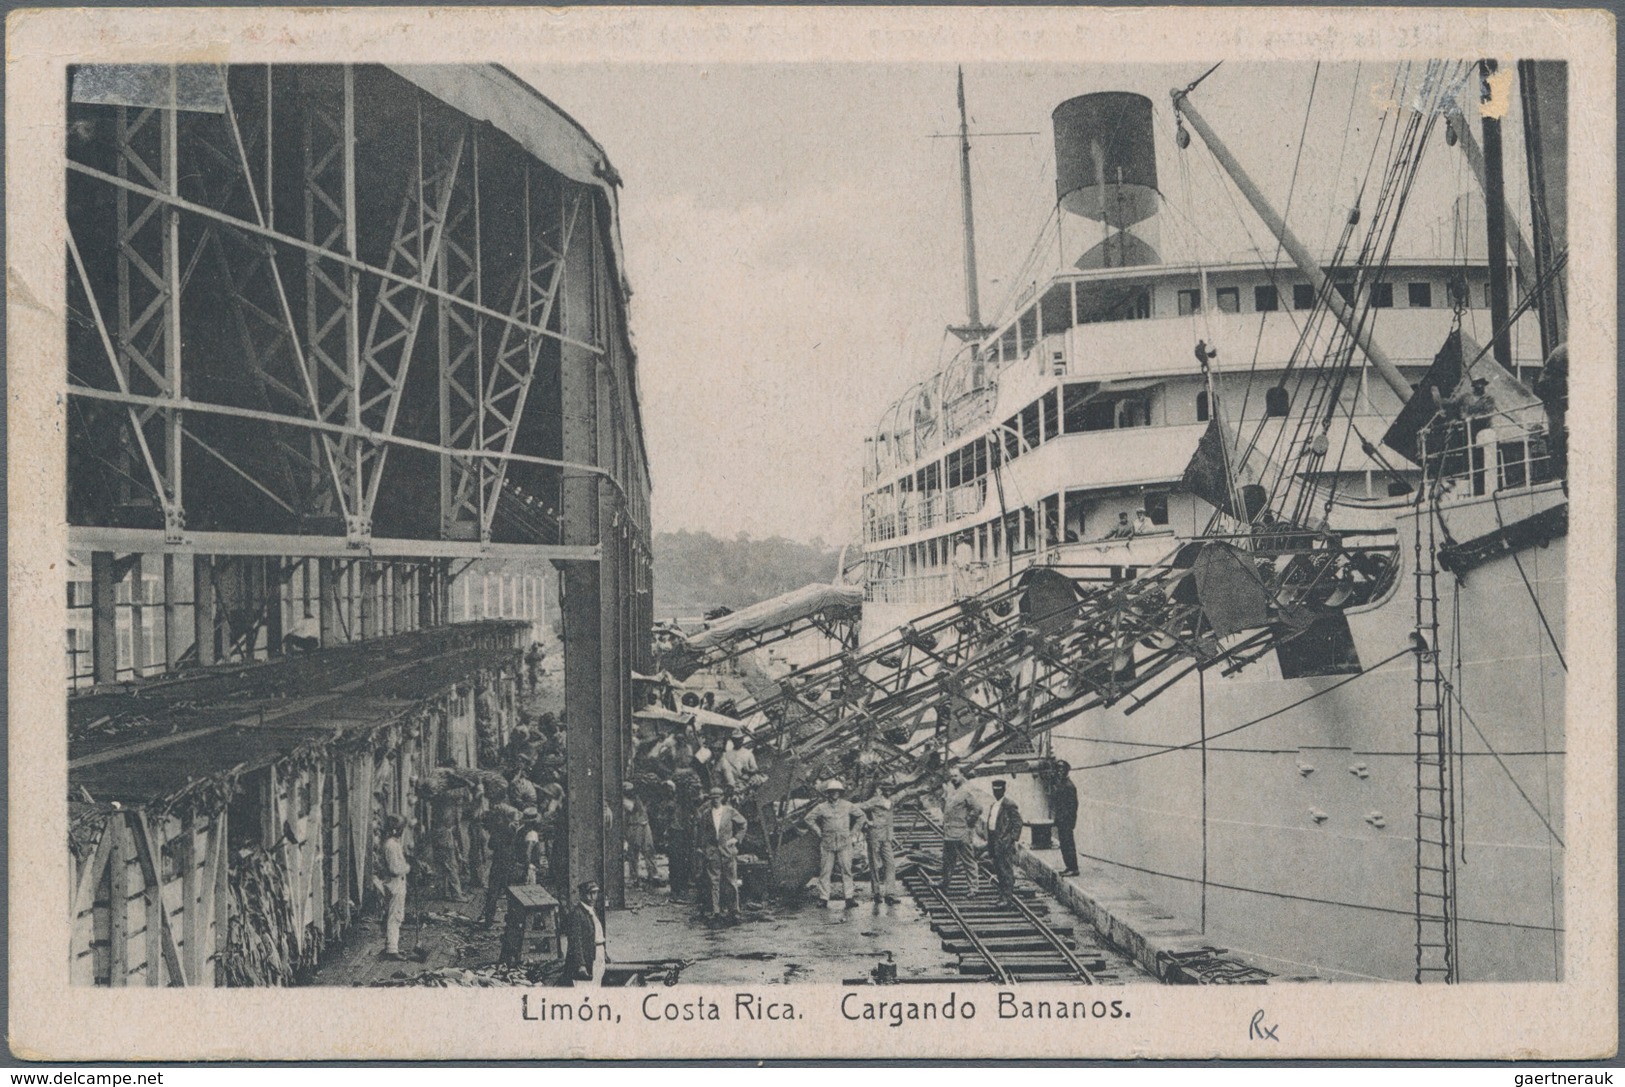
[1380,796]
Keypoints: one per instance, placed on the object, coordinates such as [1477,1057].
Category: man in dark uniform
[1004,825]
[1063,804]
[583,931]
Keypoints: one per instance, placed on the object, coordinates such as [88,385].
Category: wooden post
[172,632]
[274,609]
[403,597]
[582,592]
[203,618]
[386,599]
[191,895]
[368,589]
[1495,230]
[350,603]
[138,615]
[221,895]
[442,608]
[118,903]
[327,596]
[612,644]
[163,957]
[428,593]
[103,619]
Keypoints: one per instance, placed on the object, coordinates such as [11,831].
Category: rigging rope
[1255,721]
[1311,898]
[1495,498]
[1456,697]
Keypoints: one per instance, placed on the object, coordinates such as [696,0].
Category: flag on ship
[1214,476]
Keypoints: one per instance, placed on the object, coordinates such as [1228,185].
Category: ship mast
[973,307]
[1495,225]
[973,329]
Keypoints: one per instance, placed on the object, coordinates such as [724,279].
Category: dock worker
[836,821]
[737,765]
[664,752]
[531,852]
[521,789]
[961,812]
[478,857]
[1063,806]
[1004,825]
[640,839]
[533,663]
[449,837]
[583,931]
[719,831]
[878,834]
[502,837]
[517,741]
[682,835]
[394,871]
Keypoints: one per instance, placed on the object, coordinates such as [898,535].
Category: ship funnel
[1106,170]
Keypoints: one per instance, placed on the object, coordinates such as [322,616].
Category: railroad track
[1023,940]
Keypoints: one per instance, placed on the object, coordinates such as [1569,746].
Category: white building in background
[507,589]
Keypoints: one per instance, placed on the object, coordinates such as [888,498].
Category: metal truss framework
[328,358]
[979,681]
[407,346]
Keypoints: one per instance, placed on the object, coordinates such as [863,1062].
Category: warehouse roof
[146,744]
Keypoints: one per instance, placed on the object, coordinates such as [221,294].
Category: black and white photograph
[940,550]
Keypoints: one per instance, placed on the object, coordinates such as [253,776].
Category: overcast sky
[793,239]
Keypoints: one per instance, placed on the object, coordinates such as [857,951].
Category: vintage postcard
[794,532]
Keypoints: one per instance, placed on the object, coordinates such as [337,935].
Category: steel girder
[397,311]
[508,385]
[985,677]
[148,357]
[330,390]
[333,294]
[461,355]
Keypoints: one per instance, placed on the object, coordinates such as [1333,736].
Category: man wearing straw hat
[835,821]
[720,828]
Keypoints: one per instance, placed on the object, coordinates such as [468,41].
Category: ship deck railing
[1485,453]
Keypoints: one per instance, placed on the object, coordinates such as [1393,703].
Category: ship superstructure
[1376,793]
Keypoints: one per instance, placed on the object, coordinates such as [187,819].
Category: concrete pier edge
[1147,933]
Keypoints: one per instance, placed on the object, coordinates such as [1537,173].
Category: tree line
[696,571]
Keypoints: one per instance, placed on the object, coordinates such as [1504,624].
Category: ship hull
[1290,833]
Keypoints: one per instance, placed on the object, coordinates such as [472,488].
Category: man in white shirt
[393,875]
[737,765]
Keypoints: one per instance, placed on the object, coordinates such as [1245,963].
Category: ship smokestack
[1106,170]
